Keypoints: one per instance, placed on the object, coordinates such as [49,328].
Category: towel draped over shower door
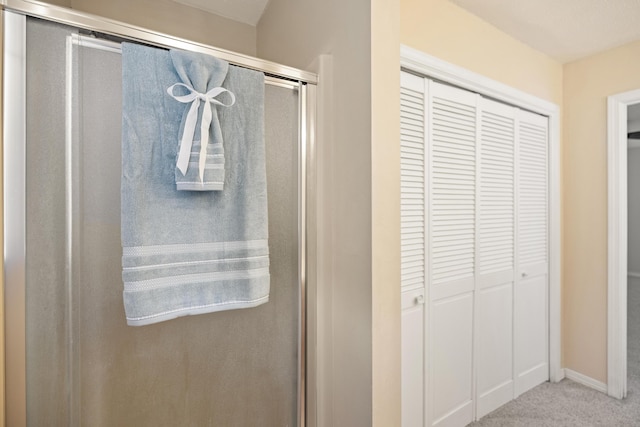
[190,252]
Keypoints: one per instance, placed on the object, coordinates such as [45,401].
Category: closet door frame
[434,68]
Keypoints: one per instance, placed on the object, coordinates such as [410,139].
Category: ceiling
[246,11]
[566,30]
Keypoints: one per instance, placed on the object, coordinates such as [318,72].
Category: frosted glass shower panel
[85,366]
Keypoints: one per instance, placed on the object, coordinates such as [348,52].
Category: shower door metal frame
[14,178]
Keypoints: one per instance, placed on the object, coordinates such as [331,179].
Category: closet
[474,235]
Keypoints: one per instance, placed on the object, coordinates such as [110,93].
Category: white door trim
[617,232]
[419,62]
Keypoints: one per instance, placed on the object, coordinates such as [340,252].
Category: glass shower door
[84,365]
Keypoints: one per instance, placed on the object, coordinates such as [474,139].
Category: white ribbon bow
[190,124]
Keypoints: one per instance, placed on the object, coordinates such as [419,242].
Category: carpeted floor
[568,404]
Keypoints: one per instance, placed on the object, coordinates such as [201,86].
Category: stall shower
[72,359]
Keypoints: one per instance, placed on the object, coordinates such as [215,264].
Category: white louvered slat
[412,181]
[496,216]
[533,190]
[453,184]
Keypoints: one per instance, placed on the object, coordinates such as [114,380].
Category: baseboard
[560,375]
[585,380]
[633,274]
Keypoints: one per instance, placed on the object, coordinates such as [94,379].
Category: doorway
[618,265]
[633,249]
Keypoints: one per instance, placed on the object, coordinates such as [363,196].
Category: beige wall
[169,17]
[385,210]
[444,30]
[587,83]
[358,172]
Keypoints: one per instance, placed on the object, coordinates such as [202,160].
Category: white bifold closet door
[474,207]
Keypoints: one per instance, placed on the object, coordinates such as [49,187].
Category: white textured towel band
[172,249]
[192,118]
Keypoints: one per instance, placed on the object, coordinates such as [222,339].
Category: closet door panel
[413,241]
[413,358]
[452,129]
[496,255]
[451,361]
[495,347]
[531,291]
[531,335]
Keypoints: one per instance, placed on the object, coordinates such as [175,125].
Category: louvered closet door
[496,255]
[531,289]
[452,148]
[479,250]
[413,240]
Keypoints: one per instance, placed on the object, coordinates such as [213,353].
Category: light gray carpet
[570,404]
